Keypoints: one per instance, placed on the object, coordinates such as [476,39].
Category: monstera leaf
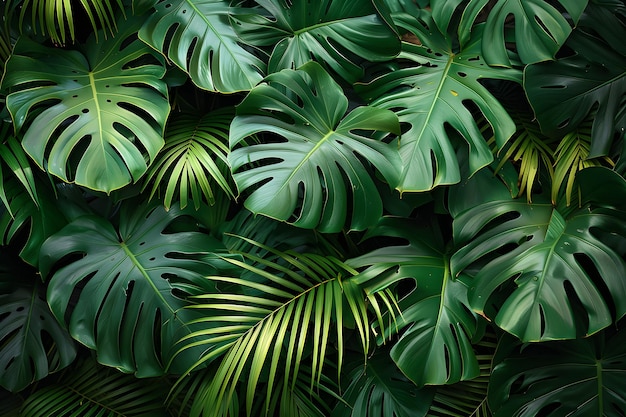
[563,280]
[567,378]
[438,324]
[590,83]
[311,165]
[540,27]
[378,389]
[336,33]
[436,80]
[198,37]
[95,118]
[32,342]
[121,290]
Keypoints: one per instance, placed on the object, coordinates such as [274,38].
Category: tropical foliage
[367,208]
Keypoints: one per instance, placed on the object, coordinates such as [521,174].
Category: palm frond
[530,149]
[270,321]
[58,18]
[468,398]
[92,390]
[193,160]
[571,156]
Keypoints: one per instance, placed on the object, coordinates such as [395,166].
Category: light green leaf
[32,342]
[339,34]
[312,168]
[197,36]
[193,160]
[429,94]
[96,118]
[540,28]
[121,290]
[274,320]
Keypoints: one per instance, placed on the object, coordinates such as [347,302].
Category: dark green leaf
[121,291]
[335,33]
[32,342]
[314,171]
[565,92]
[197,36]
[539,27]
[574,378]
[430,96]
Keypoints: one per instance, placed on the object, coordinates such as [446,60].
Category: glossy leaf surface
[559,269]
[312,169]
[435,322]
[539,27]
[198,37]
[130,283]
[429,95]
[335,33]
[96,118]
[592,82]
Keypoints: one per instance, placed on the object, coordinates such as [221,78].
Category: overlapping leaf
[335,33]
[379,389]
[592,82]
[197,36]
[283,310]
[121,290]
[575,378]
[32,342]
[429,95]
[311,168]
[564,280]
[438,324]
[539,28]
[97,118]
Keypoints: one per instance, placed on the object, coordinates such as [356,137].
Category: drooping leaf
[438,326]
[14,161]
[563,280]
[284,309]
[193,160]
[96,118]
[92,390]
[312,168]
[378,389]
[197,36]
[539,28]
[335,33]
[121,291]
[429,95]
[566,378]
[565,92]
[32,343]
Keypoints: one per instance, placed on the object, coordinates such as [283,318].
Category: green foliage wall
[312,208]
